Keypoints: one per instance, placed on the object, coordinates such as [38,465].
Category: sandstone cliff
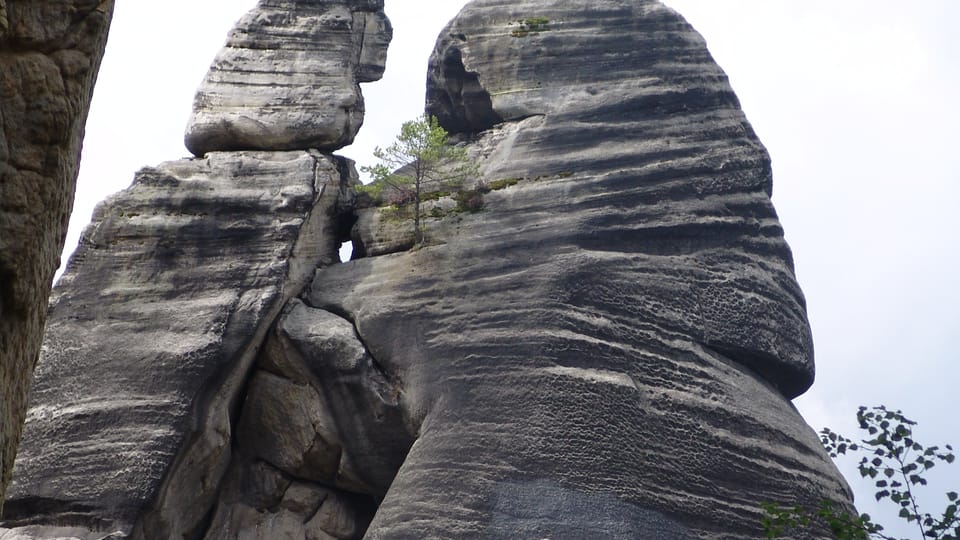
[605,348]
[49,56]
[163,311]
[634,328]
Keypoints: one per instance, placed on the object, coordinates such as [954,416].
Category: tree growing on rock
[422,157]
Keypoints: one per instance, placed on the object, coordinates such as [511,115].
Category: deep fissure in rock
[6,292]
[295,436]
[298,394]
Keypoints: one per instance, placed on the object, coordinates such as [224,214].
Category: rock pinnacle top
[288,77]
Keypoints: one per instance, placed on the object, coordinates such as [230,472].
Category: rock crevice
[321,413]
[177,345]
[172,294]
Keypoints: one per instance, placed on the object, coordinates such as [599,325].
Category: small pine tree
[422,154]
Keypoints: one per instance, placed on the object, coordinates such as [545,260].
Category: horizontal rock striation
[161,407]
[608,348]
[152,332]
[288,77]
[629,95]
[598,339]
[49,57]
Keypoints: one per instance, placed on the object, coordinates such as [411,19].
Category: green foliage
[421,156]
[531,25]
[433,195]
[779,520]
[395,192]
[502,184]
[896,463]
[469,200]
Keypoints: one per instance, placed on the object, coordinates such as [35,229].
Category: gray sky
[855,99]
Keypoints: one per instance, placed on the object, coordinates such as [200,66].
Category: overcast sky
[855,99]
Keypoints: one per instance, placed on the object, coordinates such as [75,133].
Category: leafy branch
[896,463]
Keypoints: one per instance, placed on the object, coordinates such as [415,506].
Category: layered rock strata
[147,419]
[152,332]
[49,57]
[628,96]
[604,347]
[609,347]
[288,77]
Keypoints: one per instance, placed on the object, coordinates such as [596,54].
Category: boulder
[49,57]
[288,77]
[319,414]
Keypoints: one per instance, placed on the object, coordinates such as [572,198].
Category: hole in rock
[351,246]
[346,251]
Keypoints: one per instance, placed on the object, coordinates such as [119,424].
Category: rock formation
[288,77]
[175,285]
[49,57]
[606,349]
[163,311]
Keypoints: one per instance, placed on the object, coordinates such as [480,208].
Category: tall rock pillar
[603,344]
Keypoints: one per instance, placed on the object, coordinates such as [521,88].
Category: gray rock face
[320,437]
[606,349]
[153,331]
[49,56]
[288,77]
[628,93]
[634,329]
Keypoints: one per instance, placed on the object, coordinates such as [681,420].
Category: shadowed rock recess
[49,57]
[606,348]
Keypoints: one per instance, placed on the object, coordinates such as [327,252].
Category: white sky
[856,101]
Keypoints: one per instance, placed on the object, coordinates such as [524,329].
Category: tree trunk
[417,232]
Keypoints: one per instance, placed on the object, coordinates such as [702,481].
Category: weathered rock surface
[320,437]
[49,56]
[606,350]
[152,332]
[288,77]
[609,348]
[625,96]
